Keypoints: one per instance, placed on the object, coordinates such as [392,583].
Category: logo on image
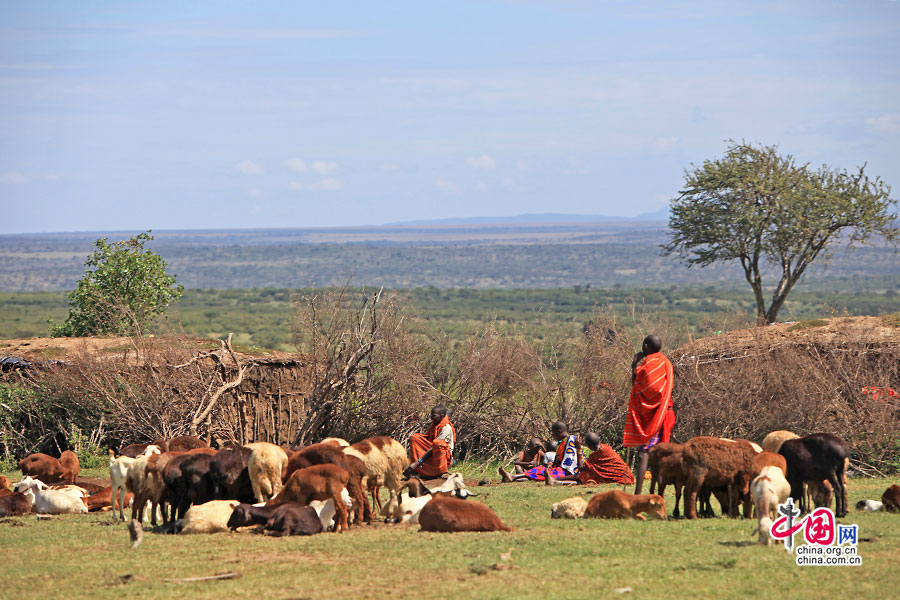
[827,543]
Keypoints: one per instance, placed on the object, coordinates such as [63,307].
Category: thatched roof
[835,333]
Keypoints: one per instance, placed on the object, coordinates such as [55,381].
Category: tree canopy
[770,214]
[125,286]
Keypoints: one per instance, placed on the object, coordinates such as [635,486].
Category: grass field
[86,556]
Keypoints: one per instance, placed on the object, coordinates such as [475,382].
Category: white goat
[326,510]
[407,510]
[53,502]
[570,508]
[118,473]
[768,490]
[266,463]
[209,517]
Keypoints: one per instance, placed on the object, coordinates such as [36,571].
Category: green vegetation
[549,559]
[762,210]
[124,287]
[261,318]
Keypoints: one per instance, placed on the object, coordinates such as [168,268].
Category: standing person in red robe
[433,451]
[651,414]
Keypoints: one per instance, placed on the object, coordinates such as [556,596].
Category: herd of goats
[193,488]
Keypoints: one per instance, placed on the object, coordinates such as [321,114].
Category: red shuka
[604,465]
[651,397]
[440,460]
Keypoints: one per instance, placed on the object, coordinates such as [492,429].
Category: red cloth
[604,465]
[441,458]
[651,397]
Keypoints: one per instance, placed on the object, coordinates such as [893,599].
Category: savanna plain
[88,556]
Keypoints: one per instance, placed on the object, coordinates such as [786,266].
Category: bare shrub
[769,384]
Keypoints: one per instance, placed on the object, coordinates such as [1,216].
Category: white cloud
[481,162]
[889,124]
[446,186]
[663,145]
[325,185]
[481,187]
[522,165]
[388,167]
[254,193]
[14,178]
[52,177]
[248,167]
[323,168]
[297,165]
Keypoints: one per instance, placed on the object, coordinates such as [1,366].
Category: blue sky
[185,115]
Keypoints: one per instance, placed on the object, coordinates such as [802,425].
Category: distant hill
[533,218]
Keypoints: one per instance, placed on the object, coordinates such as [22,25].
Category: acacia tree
[124,287]
[765,211]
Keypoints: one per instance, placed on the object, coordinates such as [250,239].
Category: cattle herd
[183,486]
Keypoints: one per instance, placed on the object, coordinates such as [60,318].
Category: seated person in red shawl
[433,451]
[604,465]
[651,414]
[531,456]
[567,461]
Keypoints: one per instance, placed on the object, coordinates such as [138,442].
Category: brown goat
[181,443]
[44,467]
[891,499]
[69,461]
[666,469]
[448,514]
[332,453]
[102,499]
[5,483]
[616,504]
[14,504]
[767,459]
[318,482]
[135,450]
[716,462]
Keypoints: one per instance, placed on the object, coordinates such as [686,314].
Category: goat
[870,505]
[265,466]
[5,483]
[570,508]
[104,499]
[318,482]
[817,457]
[407,511]
[230,475]
[292,518]
[69,461]
[385,459]
[767,458]
[891,499]
[772,442]
[717,462]
[768,490]
[448,514]
[209,517]
[331,453]
[14,504]
[181,443]
[118,471]
[666,468]
[44,467]
[54,502]
[616,504]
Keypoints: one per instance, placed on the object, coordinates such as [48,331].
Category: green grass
[85,556]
